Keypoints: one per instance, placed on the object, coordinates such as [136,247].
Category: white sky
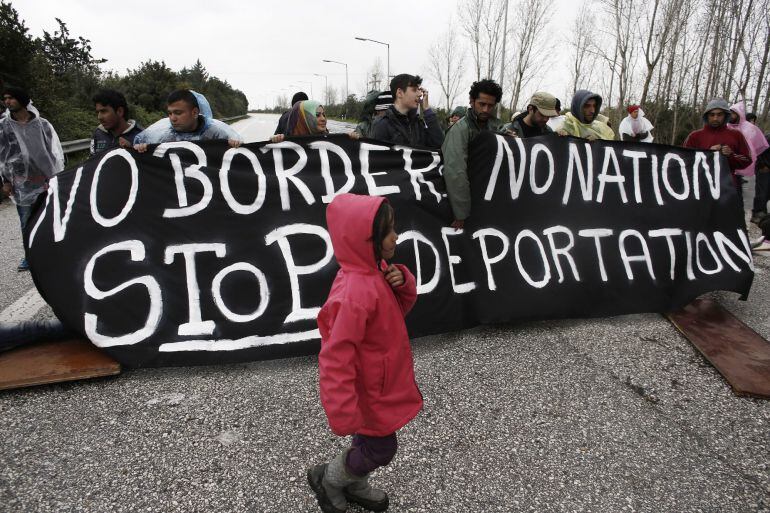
[270,48]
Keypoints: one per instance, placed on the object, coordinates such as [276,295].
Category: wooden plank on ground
[54,362]
[738,352]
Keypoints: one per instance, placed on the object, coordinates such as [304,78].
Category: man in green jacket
[484,97]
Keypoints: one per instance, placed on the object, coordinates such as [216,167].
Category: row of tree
[670,56]
[61,75]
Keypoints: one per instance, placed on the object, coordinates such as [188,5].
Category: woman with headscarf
[635,127]
[307,117]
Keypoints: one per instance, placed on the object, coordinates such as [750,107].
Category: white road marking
[24,308]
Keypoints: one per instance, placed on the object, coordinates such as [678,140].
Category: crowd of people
[30,151]
[363,317]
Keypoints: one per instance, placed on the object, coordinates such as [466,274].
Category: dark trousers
[761,191]
[24,211]
[15,334]
[741,205]
[368,453]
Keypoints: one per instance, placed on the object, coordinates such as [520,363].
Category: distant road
[259,127]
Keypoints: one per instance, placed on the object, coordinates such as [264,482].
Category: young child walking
[365,365]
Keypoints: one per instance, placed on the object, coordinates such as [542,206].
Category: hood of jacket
[717,103]
[579,99]
[350,219]
[131,126]
[740,109]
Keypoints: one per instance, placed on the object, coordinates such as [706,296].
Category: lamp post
[347,92]
[311,86]
[381,43]
[326,86]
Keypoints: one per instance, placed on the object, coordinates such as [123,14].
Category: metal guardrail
[84,144]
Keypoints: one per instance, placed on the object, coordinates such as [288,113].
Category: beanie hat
[384,101]
[18,93]
[632,108]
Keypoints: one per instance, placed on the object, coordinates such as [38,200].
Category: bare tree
[581,42]
[527,43]
[446,64]
[330,95]
[471,13]
[376,76]
[483,23]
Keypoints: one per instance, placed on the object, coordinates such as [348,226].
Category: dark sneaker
[23,265]
[756,217]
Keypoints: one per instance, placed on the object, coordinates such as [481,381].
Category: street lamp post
[326,86]
[347,92]
[381,43]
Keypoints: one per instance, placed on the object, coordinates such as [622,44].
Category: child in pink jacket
[365,365]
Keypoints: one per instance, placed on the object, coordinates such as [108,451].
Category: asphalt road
[601,415]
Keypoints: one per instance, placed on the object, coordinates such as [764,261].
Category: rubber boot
[327,481]
[362,493]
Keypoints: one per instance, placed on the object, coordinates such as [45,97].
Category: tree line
[61,75]
[669,56]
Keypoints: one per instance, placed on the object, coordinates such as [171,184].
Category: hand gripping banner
[199,253]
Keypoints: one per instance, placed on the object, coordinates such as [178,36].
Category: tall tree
[446,64]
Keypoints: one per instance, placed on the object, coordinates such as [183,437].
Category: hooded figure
[30,153]
[753,135]
[208,128]
[303,120]
[367,113]
[711,136]
[575,123]
[366,373]
[634,129]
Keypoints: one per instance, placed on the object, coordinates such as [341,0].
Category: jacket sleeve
[455,151]
[406,294]
[741,158]
[338,366]
[435,136]
[380,130]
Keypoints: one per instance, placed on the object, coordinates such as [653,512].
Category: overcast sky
[270,48]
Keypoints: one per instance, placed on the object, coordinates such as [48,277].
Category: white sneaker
[763,246]
[757,242]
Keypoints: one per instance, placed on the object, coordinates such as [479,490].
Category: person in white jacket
[635,127]
[30,154]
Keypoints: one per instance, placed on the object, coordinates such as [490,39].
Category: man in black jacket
[402,124]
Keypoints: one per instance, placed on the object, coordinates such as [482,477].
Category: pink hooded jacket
[753,135]
[365,365]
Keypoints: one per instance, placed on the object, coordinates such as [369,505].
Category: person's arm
[404,286]
[740,157]
[455,151]
[434,135]
[628,137]
[337,365]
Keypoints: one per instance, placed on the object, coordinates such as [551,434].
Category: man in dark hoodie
[115,129]
[284,119]
[401,124]
[717,136]
[582,121]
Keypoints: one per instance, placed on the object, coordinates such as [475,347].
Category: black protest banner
[199,253]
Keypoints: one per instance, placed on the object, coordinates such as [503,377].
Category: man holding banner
[484,97]
[189,119]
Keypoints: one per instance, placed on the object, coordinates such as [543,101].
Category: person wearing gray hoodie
[583,119]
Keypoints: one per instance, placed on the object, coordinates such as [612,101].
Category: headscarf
[634,127]
[752,134]
[302,118]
